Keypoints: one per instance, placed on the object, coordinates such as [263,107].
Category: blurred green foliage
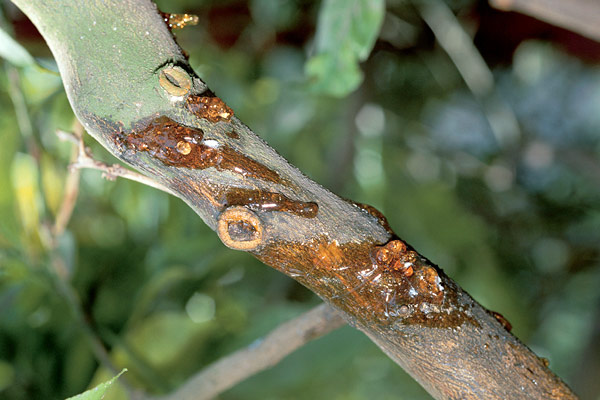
[346,33]
[13,52]
[516,223]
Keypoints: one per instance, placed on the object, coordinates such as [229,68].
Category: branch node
[240,229]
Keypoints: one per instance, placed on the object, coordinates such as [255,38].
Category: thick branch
[133,90]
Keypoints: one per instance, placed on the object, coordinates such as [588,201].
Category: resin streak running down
[213,109]
[258,200]
[179,21]
[182,146]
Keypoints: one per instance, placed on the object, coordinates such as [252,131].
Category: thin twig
[110,172]
[79,153]
[472,67]
[283,340]
[458,45]
[62,219]
[71,186]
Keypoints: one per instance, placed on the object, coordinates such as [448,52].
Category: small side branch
[110,172]
[72,184]
[261,355]
[60,273]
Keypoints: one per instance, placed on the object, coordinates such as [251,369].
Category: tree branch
[471,66]
[72,184]
[580,16]
[260,355]
[155,114]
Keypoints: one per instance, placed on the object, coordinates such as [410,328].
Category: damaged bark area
[155,114]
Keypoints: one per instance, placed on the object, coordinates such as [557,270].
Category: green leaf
[353,23]
[336,74]
[98,392]
[13,52]
[346,33]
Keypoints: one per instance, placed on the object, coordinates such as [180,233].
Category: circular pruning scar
[240,228]
[175,81]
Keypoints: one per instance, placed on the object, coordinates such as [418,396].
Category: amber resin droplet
[428,281]
[422,280]
[184,147]
[179,21]
[170,142]
[213,109]
[258,200]
[500,318]
[393,255]
[375,213]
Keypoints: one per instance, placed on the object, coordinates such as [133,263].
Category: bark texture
[133,90]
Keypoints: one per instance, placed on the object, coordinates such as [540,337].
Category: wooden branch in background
[72,183]
[459,46]
[580,16]
[261,355]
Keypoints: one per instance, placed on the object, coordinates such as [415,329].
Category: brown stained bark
[171,127]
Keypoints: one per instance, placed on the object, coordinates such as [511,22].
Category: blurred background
[475,131]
